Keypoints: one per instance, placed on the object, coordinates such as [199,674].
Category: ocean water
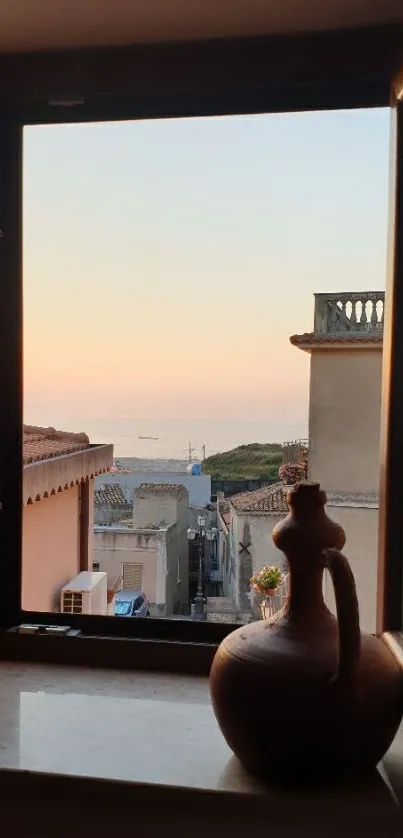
[173,436]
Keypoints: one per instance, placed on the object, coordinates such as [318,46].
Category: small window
[132,577]
[138,603]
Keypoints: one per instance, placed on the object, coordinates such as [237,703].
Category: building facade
[57,516]
[149,551]
[245,544]
[253,516]
[345,351]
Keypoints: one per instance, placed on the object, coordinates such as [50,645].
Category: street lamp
[199,610]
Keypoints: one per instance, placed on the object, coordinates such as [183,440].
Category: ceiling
[31,25]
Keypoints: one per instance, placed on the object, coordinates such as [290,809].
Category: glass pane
[122,609]
[167,264]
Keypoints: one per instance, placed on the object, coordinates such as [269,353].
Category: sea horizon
[172,436]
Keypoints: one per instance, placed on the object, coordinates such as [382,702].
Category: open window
[221,339]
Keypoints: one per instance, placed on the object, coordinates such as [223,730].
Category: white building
[245,524]
[149,551]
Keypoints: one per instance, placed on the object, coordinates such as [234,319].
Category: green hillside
[246,462]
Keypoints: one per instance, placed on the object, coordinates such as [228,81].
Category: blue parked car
[131,604]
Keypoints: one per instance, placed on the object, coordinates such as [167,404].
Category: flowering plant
[290,473]
[267,579]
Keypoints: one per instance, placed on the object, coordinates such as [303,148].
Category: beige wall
[344,418]
[157,552]
[154,506]
[262,549]
[361,528]
[171,506]
[153,509]
[344,433]
[177,594]
[50,549]
[113,549]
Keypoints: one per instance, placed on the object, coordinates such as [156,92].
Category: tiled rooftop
[111,494]
[265,500]
[47,443]
[172,488]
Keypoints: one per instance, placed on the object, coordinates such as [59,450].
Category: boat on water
[148,437]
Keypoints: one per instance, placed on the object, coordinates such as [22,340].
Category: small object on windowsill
[27,629]
[55,631]
[305,683]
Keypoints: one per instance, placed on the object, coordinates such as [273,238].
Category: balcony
[354,313]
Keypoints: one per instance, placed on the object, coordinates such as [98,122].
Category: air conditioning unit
[87,593]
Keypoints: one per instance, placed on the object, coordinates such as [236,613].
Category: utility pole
[190,450]
[204,451]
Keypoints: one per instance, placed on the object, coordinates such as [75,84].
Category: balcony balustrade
[354,313]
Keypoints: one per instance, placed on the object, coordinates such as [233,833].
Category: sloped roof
[268,499]
[111,494]
[58,460]
[161,488]
[47,443]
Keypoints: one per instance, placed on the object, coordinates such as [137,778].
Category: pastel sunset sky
[167,262]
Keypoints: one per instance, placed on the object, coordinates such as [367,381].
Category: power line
[190,451]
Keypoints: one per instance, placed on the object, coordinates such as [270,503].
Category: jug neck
[305,603]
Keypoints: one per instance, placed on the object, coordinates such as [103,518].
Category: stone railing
[349,313]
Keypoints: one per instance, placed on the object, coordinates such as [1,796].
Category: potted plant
[291,473]
[267,580]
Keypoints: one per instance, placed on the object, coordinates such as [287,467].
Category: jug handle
[347,616]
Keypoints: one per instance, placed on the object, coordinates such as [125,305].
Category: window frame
[390,542]
[236,76]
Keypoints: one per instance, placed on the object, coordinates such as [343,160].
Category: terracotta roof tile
[46,443]
[265,500]
[176,488]
[111,494]
[310,338]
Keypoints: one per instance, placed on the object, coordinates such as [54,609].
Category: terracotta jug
[305,695]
